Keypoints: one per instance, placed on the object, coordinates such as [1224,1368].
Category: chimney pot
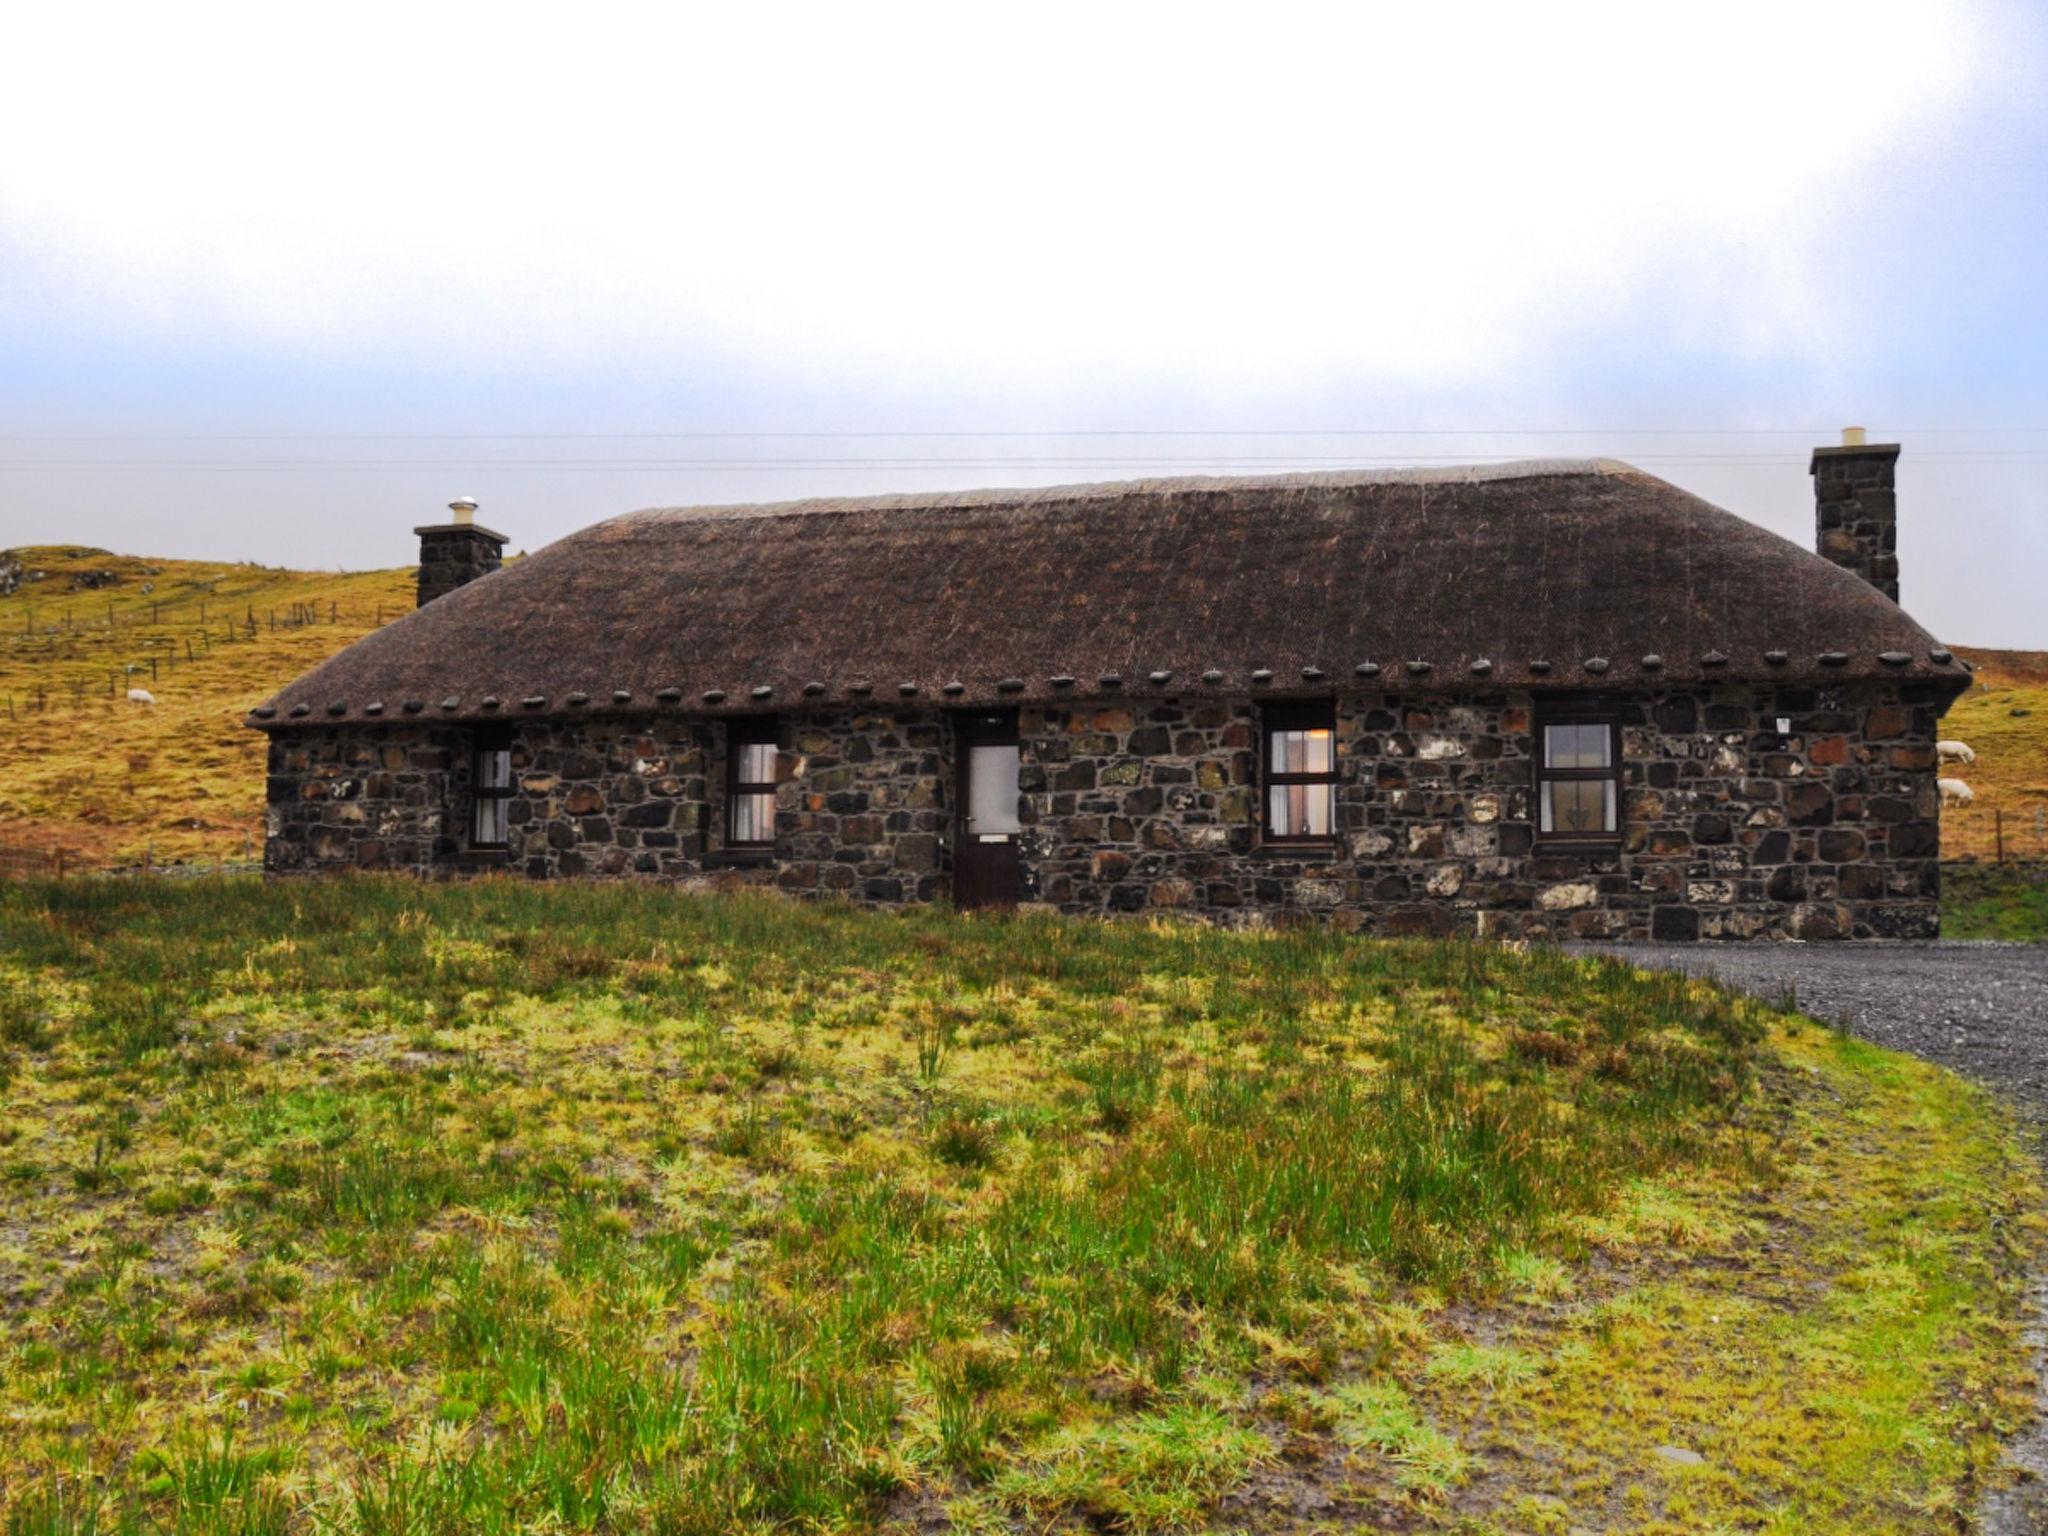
[464,509]
[1852,437]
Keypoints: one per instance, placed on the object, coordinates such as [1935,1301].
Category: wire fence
[22,862]
[1996,831]
[60,643]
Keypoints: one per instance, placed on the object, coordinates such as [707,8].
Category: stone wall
[1731,829]
[362,797]
[861,809]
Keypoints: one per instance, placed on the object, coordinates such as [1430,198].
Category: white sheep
[1954,752]
[141,696]
[1955,792]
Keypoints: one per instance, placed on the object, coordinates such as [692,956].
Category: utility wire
[839,463]
[1820,434]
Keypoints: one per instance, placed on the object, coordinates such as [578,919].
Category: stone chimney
[1856,510]
[455,553]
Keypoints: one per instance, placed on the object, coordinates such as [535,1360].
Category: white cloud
[1041,194]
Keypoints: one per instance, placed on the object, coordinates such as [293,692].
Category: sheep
[1955,792]
[141,696]
[1954,752]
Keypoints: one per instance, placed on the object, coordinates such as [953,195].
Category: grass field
[2004,718]
[83,769]
[373,1207]
[1995,901]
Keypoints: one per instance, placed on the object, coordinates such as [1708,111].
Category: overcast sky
[276,282]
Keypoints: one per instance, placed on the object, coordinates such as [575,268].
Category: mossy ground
[372,1207]
[84,770]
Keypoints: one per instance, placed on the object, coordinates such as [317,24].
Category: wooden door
[986,870]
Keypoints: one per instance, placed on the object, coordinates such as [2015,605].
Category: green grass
[1995,901]
[367,1206]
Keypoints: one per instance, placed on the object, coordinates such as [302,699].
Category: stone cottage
[1548,699]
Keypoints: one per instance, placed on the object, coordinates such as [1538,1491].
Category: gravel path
[1981,1009]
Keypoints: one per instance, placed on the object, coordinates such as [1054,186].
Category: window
[750,784]
[1301,774]
[490,790]
[1578,781]
[992,781]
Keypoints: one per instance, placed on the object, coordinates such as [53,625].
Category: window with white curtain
[1300,773]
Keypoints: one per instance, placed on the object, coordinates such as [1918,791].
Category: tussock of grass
[1151,1471]
[368,1207]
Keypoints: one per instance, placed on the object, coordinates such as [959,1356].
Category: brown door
[985,867]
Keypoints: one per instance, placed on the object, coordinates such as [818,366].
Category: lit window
[1301,774]
[1578,781]
[490,793]
[750,791]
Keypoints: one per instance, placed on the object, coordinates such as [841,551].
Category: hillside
[2004,718]
[85,770]
[401,1208]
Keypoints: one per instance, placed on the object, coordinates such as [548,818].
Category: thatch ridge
[1030,496]
[1542,574]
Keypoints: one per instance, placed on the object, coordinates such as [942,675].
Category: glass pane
[1300,810]
[1581,806]
[753,818]
[1301,751]
[756,762]
[494,769]
[992,790]
[490,821]
[1577,746]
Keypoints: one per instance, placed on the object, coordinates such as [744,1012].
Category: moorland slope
[109,781]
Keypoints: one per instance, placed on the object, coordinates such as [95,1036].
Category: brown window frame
[481,743]
[1577,714]
[748,731]
[1276,719]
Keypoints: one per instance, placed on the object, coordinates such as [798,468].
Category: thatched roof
[1550,574]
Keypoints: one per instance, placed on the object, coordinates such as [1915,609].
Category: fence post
[1998,829]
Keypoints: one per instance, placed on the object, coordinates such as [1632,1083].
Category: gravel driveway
[1981,1009]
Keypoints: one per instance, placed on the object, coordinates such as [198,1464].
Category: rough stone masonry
[1730,828]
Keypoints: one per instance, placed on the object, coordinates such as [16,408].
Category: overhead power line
[1819,435]
[842,463]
